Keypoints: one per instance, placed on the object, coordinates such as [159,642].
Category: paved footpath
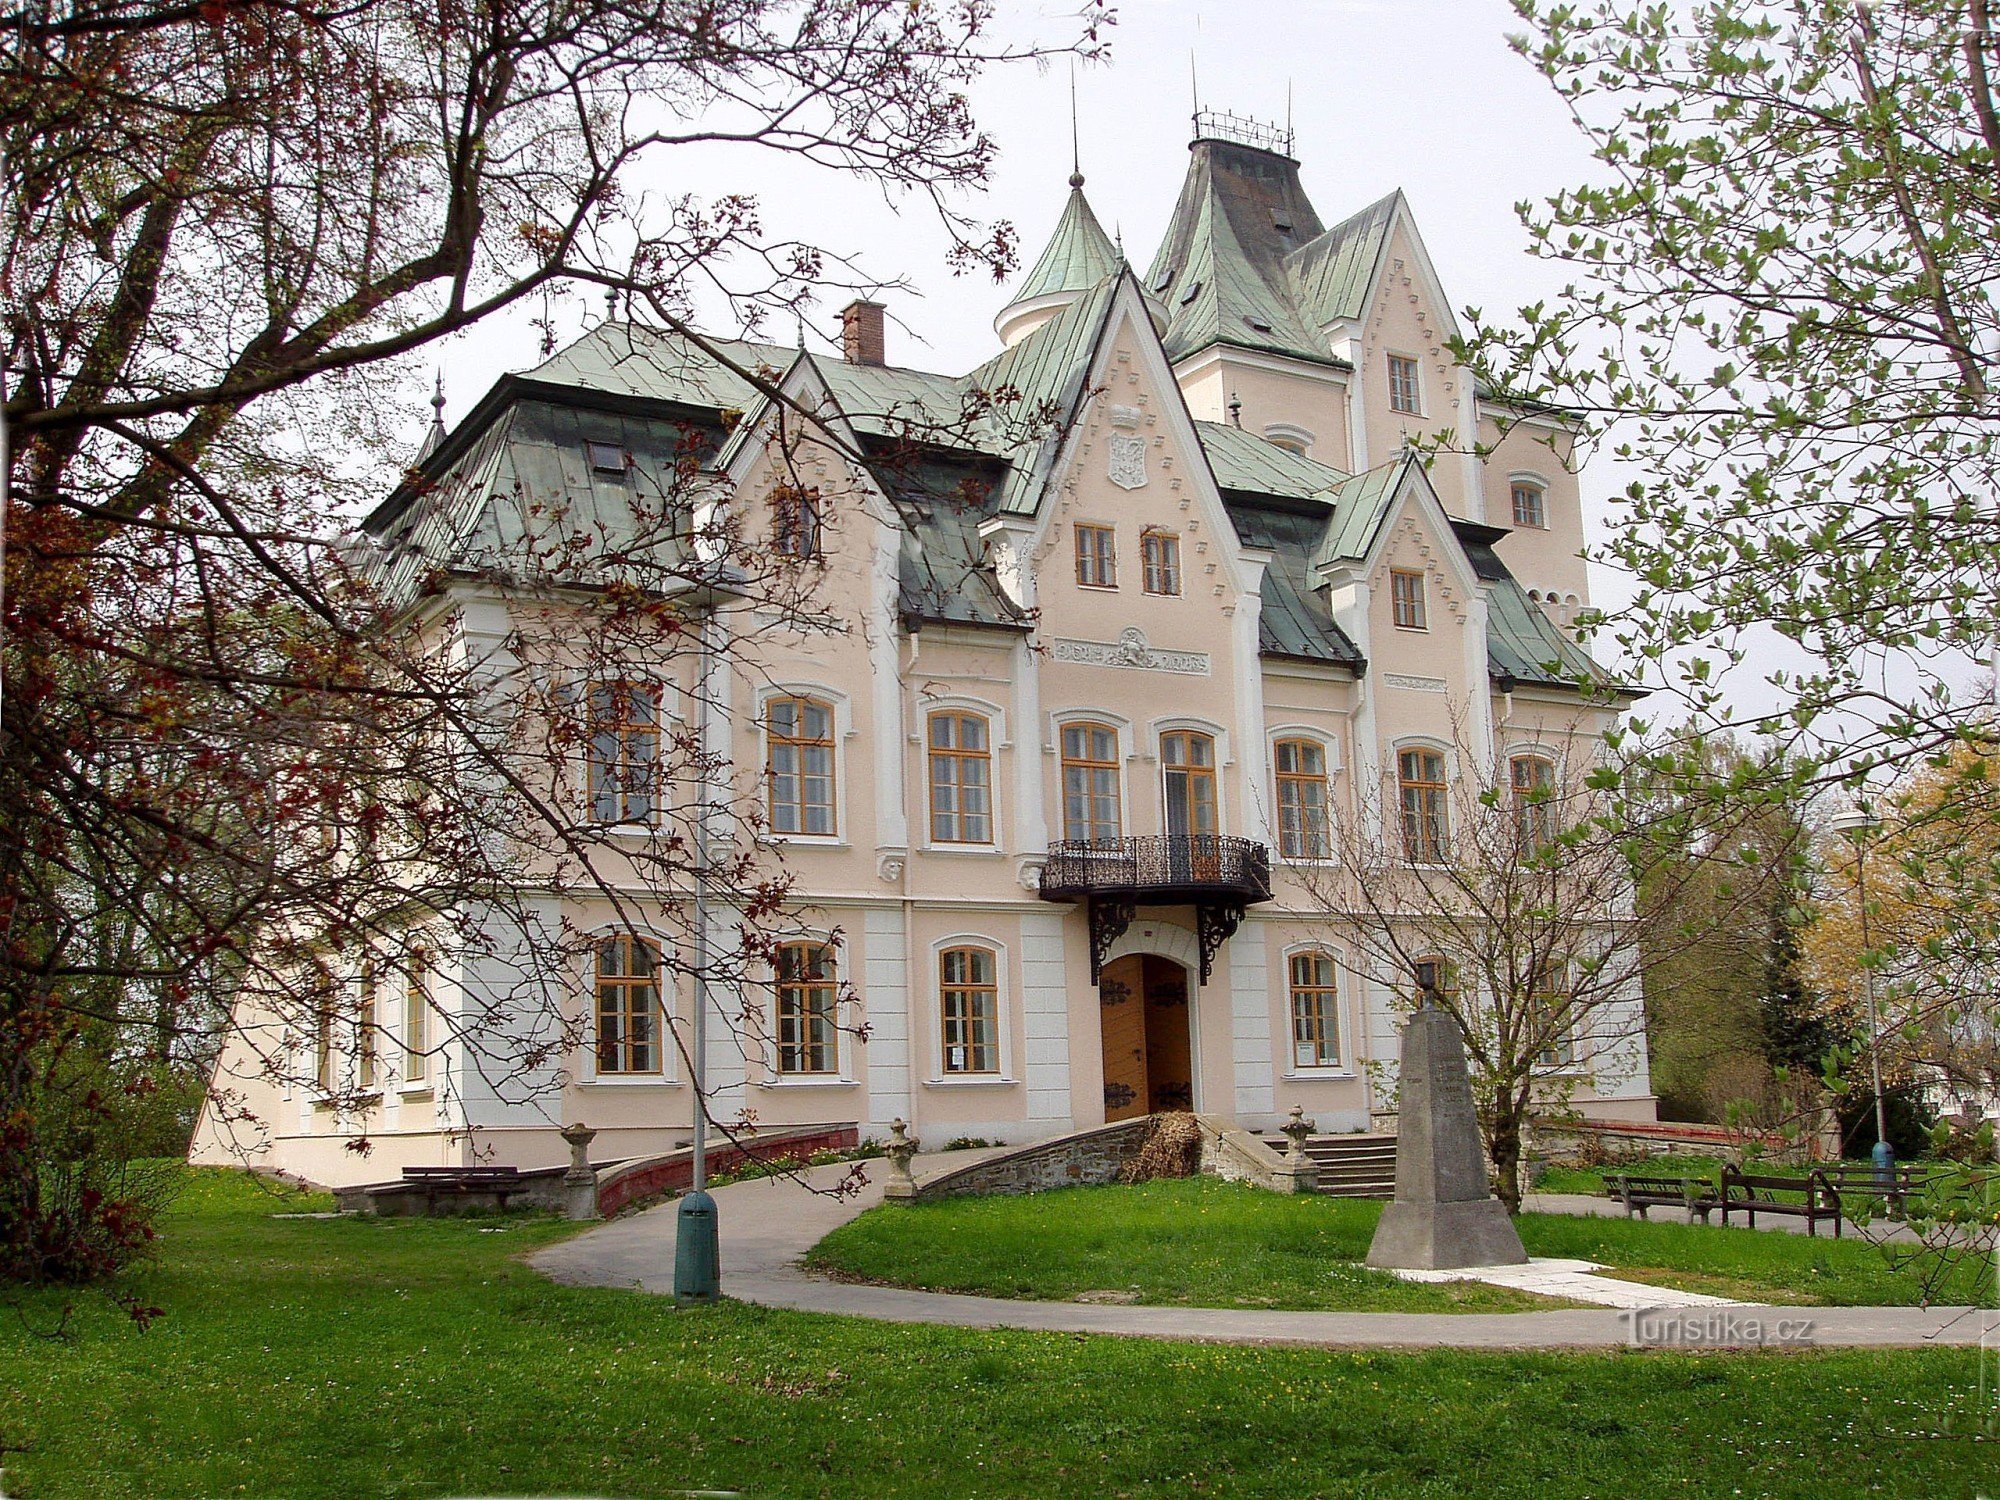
[767,1226]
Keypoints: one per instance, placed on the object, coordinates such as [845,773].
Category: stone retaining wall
[648,1177]
[1088,1158]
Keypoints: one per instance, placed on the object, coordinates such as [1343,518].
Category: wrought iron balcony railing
[1164,867]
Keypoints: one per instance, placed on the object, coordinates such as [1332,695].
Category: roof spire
[1075,138]
[436,434]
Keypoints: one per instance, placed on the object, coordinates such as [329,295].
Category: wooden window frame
[952,825]
[1409,605]
[622,779]
[1420,801]
[1541,992]
[964,1005]
[799,809]
[807,1009]
[624,995]
[1160,562]
[1538,518]
[1295,840]
[1090,765]
[1534,817]
[1096,555]
[1401,389]
[323,1047]
[798,524]
[1315,1009]
[416,1018]
[1198,774]
[367,1033]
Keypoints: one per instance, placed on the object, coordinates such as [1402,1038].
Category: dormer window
[605,458]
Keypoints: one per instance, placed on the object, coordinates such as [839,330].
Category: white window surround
[843,1044]
[1392,766]
[1126,752]
[933,1029]
[586,1075]
[843,736]
[1289,432]
[575,691]
[425,1087]
[1344,1010]
[1540,482]
[996,741]
[1329,745]
[1417,367]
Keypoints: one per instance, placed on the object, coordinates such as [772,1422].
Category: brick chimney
[861,339]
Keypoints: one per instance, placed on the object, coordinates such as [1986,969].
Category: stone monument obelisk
[1445,1216]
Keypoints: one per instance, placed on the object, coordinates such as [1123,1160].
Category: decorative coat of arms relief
[1128,460]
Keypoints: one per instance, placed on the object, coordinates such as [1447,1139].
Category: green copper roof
[1078,256]
[1243,461]
[1246,261]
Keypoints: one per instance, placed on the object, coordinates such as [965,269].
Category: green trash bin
[697,1256]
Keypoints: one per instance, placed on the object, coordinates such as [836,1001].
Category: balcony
[1218,876]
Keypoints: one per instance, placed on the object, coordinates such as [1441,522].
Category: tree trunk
[1506,1150]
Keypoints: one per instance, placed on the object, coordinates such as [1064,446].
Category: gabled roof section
[1036,389]
[1078,255]
[1332,276]
[1361,506]
[630,360]
[1296,620]
[1242,461]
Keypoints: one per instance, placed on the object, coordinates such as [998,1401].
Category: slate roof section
[945,573]
[1522,642]
[1295,620]
[1079,254]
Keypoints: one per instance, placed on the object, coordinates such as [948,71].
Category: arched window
[961,778]
[624,751]
[1531,504]
[1534,784]
[1188,759]
[969,1002]
[1090,781]
[800,765]
[628,1005]
[1303,830]
[1315,991]
[1421,793]
[808,1033]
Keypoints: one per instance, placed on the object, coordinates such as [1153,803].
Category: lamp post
[1859,825]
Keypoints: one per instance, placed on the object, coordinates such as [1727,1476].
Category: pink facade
[1185,625]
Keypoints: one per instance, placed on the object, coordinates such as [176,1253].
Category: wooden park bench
[497,1183]
[1638,1193]
[1811,1197]
[1859,1181]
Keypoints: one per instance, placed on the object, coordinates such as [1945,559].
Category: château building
[1065,800]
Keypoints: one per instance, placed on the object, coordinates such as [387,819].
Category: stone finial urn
[901,1186]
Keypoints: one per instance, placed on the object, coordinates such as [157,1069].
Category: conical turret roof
[1078,256]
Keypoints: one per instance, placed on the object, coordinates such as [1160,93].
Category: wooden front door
[1148,1052]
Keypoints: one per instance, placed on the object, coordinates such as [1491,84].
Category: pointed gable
[1332,276]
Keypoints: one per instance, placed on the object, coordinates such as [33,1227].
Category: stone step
[1349,1166]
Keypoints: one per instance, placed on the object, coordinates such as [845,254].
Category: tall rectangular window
[416,1018]
[800,768]
[1530,505]
[365,1031]
[1403,385]
[1421,785]
[1534,779]
[1406,600]
[808,1036]
[1549,1002]
[1090,781]
[624,751]
[1315,1011]
[1096,557]
[628,1005]
[969,991]
[323,1047]
[1303,832]
[961,779]
[798,522]
[1160,559]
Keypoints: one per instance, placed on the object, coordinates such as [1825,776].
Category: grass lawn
[1204,1243]
[321,1358]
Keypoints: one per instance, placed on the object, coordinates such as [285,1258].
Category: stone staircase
[1350,1166]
